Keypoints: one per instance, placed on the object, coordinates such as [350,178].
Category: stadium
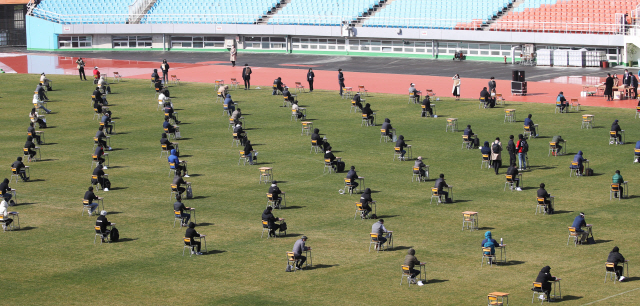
[342,67]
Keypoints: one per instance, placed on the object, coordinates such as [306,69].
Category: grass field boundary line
[610,297]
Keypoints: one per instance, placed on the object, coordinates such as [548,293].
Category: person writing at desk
[298,248]
[357,101]
[616,258]
[489,242]
[378,228]
[352,175]
[542,193]
[615,127]
[637,154]
[413,91]
[420,165]
[426,103]
[249,153]
[275,194]
[411,261]
[365,200]
[368,112]
[617,179]
[580,160]
[191,234]
[91,197]
[387,127]
[578,223]
[20,168]
[546,278]
[179,206]
[401,144]
[102,222]
[441,184]
[267,215]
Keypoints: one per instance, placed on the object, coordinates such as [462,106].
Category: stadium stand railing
[324,12]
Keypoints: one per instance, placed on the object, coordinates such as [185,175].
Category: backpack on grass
[114,235]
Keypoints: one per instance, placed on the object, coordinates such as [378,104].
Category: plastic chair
[488,257]
[406,272]
[485,160]
[383,135]
[615,190]
[435,194]
[610,271]
[103,236]
[573,234]
[188,245]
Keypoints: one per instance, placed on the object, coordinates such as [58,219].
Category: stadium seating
[565,15]
[439,14]
[83,11]
[322,12]
[209,11]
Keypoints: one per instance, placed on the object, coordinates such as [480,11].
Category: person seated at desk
[97,97]
[170,145]
[475,142]
[458,55]
[558,140]
[277,85]
[45,81]
[617,179]
[236,115]
[528,122]
[368,112]
[102,138]
[169,113]
[296,108]
[38,102]
[191,234]
[440,184]
[41,94]
[637,153]
[352,175]
[316,136]
[97,106]
[170,128]
[103,85]
[420,165]
[20,168]
[365,200]
[91,197]
[563,102]
[30,146]
[616,258]
[542,193]
[287,94]
[98,171]
[154,76]
[414,91]
[580,160]
[99,153]
[163,96]
[249,153]
[298,248]
[357,101]
[485,97]
[4,212]
[179,165]
[615,127]
[106,120]
[34,117]
[242,136]
[426,102]
[401,144]
[485,149]
[578,223]
[378,228]
[489,242]
[387,126]
[179,206]
[222,91]
[545,278]
[5,190]
[513,171]
[231,107]
[102,222]
[267,215]
[178,181]
[96,75]
[32,130]
[411,261]
[275,194]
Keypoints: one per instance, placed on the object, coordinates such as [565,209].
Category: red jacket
[96,73]
[519,146]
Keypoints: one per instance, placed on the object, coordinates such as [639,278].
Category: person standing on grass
[310,77]
[496,155]
[246,76]
[298,248]
[522,148]
[340,80]
[411,261]
[511,148]
[233,55]
[80,66]
[165,71]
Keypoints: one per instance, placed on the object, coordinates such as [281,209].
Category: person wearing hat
[275,193]
[426,106]
[277,85]
[340,80]
[80,66]
[191,233]
[96,75]
[165,71]
[528,122]
[246,76]
[489,242]
[542,193]
[545,278]
[616,258]
[298,248]
[45,81]
[617,179]
[20,168]
[563,102]
[420,165]
[170,145]
[615,127]
[352,175]
[378,228]
[267,215]
[368,112]
[580,160]
[102,222]
[414,91]
[310,77]
[179,206]
[365,200]
[411,261]
[91,197]
[492,86]
[578,223]
[287,94]
[242,136]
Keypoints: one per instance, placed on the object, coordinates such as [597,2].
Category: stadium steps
[487,25]
[370,13]
[265,18]
[135,19]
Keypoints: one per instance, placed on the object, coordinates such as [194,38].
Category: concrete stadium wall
[42,34]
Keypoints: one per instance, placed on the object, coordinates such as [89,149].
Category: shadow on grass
[290,235]
[186,155]
[120,133]
[294,207]
[631,197]
[37,180]
[598,241]
[184,123]
[214,252]
[195,175]
[51,127]
[281,182]
[47,159]
[630,279]
[184,138]
[529,188]
[435,281]
[562,212]
[597,174]
[118,188]
[570,298]
[386,216]
[485,228]
[116,167]
[20,204]
[114,212]
[542,137]
[458,201]
[542,167]
[257,144]
[400,248]
[512,263]
[118,149]
[198,197]
[204,224]
[373,191]
[49,144]
[27,228]
[320,266]
[126,240]
[251,129]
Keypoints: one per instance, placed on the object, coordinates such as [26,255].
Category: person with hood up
[31,147]
[489,242]
[165,71]
[5,190]
[231,107]
[20,168]
[178,165]
[485,149]
[616,258]
[411,261]
[316,136]
[102,222]
[191,234]
[545,278]
[578,223]
[580,160]
[357,100]
[155,77]
[170,145]
[267,215]
[169,113]
[528,122]
[401,144]
[4,212]
[91,197]
[275,193]
[496,155]
[368,112]
[249,153]
[615,127]
[387,126]
[365,200]
[242,136]
[420,165]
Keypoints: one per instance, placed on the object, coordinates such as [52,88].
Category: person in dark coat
[99,173]
[545,278]
[179,181]
[20,168]
[411,261]
[340,80]
[513,171]
[357,101]
[165,141]
[352,175]
[616,258]
[634,84]
[277,85]
[102,138]
[242,136]
[563,102]
[154,76]
[31,146]
[332,158]
[578,223]
[492,85]
[580,160]
[528,122]
[485,149]
[106,120]
[179,206]
[367,111]
[275,194]
[248,152]
[387,126]
[426,102]
[542,193]
[97,96]
[401,144]
[102,222]
[165,71]
[485,97]
[316,136]
[608,87]
[475,142]
[91,197]
[287,94]
[32,130]
[365,200]
[267,215]
[169,113]
[310,77]
[615,127]
[191,233]
[231,107]
[440,184]
[246,76]
[99,153]
[5,190]
[80,66]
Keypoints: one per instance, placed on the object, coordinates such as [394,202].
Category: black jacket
[103,223]
[191,233]
[340,77]
[99,151]
[615,127]
[18,165]
[545,277]
[468,132]
[387,125]
[247,148]
[365,199]
[98,171]
[179,206]
[485,94]
[275,192]
[440,183]
[268,216]
[246,73]
[511,147]
[512,170]
[427,103]
[4,187]
[367,111]
[615,257]
[542,193]
[310,76]
[400,143]
[177,180]
[89,195]
[31,130]
[329,156]
[352,175]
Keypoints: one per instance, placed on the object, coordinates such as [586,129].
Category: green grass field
[52,259]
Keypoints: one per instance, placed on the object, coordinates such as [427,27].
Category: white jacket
[4,206]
